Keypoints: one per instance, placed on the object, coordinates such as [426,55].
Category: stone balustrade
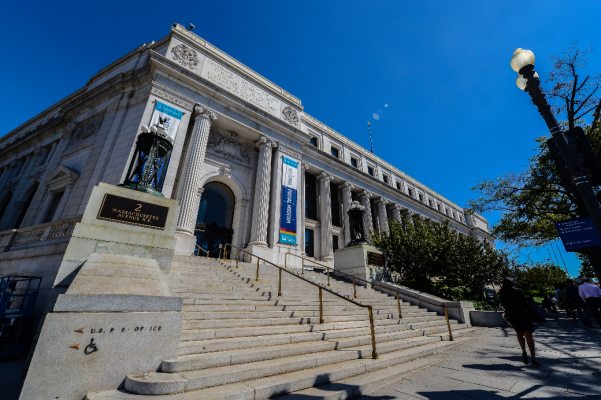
[47,231]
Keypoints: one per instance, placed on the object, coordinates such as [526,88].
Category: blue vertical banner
[171,118]
[289,185]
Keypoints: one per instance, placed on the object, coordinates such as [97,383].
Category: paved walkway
[10,379]
[490,367]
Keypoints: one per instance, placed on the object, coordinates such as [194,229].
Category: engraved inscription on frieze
[229,146]
[239,86]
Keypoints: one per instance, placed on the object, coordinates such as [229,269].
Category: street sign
[578,233]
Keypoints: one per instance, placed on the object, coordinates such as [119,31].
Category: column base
[327,259]
[258,243]
[185,244]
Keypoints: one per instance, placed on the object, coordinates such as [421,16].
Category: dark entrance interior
[214,221]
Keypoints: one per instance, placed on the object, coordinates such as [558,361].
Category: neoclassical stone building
[248,167]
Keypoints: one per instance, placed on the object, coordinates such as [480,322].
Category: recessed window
[354,162]
[439,207]
[421,197]
[385,178]
[410,192]
[398,185]
[335,152]
[431,203]
[370,171]
[313,141]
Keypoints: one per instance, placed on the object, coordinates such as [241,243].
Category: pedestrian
[572,293]
[548,304]
[591,294]
[516,310]
[565,302]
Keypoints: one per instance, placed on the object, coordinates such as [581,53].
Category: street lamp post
[523,63]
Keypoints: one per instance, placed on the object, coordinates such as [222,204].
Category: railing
[444,307]
[48,231]
[374,353]
[200,248]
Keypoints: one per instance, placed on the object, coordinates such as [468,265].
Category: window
[370,170]
[313,141]
[310,196]
[335,152]
[335,242]
[354,196]
[309,243]
[410,192]
[354,162]
[431,203]
[385,178]
[421,197]
[439,207]
[335,204]
[398,185]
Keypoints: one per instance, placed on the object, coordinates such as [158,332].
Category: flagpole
[372,143]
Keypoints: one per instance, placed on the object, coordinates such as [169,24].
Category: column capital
[381,200]
[305,166]
[365,193]
[201,111]
[346,185]
[395,206]
[325,175]
[266,141]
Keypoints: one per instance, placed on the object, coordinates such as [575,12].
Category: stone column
[258,234]
[303,168]
[190,194]
[325,216]
[396,212]
[382,216]
[364,199]
[63,203]
[408,215]
[346,188]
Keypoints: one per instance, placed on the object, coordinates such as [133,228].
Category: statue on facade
[357,224]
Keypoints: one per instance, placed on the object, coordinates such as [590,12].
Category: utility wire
[564,263]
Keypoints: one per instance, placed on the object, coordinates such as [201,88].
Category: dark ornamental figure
[357,224]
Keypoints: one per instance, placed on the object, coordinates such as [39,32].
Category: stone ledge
[116,303]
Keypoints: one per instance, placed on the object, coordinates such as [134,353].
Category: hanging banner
[170,116]
[289,185]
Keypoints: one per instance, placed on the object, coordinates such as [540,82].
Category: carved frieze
[229,146]
[185,55]
[171,98]
[290,115]
[87,130]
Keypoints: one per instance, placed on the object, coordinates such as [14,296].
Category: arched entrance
[215,216]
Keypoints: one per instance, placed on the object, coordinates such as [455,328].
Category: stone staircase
[241,341]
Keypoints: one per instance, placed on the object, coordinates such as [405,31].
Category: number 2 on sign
[139,207]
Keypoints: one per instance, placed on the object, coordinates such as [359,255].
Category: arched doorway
[215,216]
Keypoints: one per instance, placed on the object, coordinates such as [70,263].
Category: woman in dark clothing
[516,310]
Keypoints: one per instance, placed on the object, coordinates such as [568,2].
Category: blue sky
[454,112]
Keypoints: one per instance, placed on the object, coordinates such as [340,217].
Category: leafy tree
[543,276]
[437,259]
[531,201]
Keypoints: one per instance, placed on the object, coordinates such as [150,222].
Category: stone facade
[236,129]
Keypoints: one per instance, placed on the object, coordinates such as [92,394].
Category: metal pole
[237,257]
[354,287]
[587,194]
[374,353]
[448,323]
[370,142]
[399,304]
[320,307]
[559,251]
[328,270]
[303,273]
[280,283]
[257,269]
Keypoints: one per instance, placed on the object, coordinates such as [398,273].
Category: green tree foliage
[435,258]
[530,202]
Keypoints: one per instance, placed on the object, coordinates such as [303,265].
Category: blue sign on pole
[578,233]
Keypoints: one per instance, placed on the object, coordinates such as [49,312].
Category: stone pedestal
[353,260]
[113,313]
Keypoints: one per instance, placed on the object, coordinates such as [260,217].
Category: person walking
[572,293]
[516,310]
[591,294]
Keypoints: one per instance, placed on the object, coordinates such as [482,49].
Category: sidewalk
[490,367]
[10,379]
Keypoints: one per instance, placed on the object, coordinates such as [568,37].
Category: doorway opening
[215,218]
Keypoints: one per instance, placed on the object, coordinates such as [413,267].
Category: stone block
[116,303]
[65,365]
[488,319]
[164,257]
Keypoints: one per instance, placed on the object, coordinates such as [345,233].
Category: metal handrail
[206,251]
[374,353]
[444,307]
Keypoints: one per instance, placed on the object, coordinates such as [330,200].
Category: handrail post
[285,260]
[446,314]
[354,287]
[303,271]
[374,353]
[237,257]
[328,270]
[257,278]
[398,301]
[320,307]
[280,283]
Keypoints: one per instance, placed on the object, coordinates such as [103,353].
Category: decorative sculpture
[357,224]
[148,166]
